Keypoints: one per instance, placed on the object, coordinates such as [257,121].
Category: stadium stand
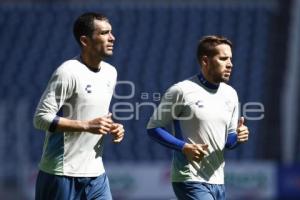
[155,47]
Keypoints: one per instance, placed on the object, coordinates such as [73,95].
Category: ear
[84,40]
[204,61]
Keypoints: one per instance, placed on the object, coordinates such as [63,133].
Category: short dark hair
[207,44]
[84,24]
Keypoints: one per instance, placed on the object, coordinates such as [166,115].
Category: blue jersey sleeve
[165,138]
[53,124]
[231,141]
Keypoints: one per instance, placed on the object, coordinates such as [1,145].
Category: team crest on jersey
[199,104]
[88,88]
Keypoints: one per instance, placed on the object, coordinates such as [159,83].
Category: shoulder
[228,90]
[108,68]
[69,68]
[182,87]
[186,86]
[175,89]
[189,82]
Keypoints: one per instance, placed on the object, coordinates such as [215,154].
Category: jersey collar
[207,84]
[90,68]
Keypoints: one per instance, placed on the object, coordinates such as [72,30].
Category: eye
[104,32]
[225,58]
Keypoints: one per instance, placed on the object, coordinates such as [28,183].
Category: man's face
[102,40]
[219,66]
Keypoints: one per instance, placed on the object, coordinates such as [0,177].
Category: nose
[111,37]
[229,64]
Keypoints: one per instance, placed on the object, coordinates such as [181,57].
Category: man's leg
[52,187]
[194,191]
[98,188]
[218,191]
[198,190]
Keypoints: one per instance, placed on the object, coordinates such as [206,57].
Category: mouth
[110,47]
[227,73]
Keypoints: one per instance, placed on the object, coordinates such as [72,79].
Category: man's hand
[100,125]
[195,152]
[117,132]
[242,131]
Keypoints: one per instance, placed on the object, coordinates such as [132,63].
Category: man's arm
[241,135]
[118,132]
[193,152]
[171,106]
[165,138]
[100,125]
[242,131]
[60,88]
[231,141]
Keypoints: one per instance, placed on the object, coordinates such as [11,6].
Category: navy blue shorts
[53,187]
[197,190]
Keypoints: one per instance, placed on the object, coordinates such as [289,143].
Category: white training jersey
[199,115]
[74,92]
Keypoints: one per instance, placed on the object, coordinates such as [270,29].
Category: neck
[91,62]
[203,80]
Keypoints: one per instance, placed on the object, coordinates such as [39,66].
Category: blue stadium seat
[155,47]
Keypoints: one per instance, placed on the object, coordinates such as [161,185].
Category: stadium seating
[155,47]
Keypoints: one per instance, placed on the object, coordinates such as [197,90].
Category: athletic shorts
[53,187]
[197,190]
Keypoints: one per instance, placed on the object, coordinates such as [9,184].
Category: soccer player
[204,113]
[74,112]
